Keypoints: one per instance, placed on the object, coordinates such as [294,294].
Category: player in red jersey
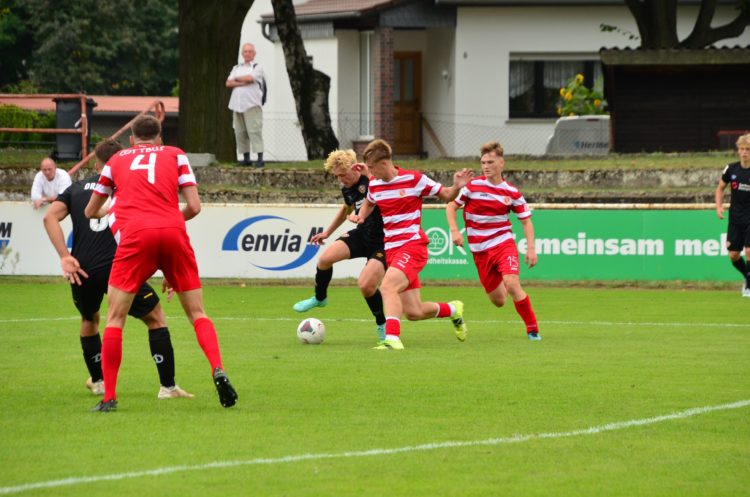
[487,201]
[398,194]
[150,229]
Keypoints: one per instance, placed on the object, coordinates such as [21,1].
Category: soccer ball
[312,331]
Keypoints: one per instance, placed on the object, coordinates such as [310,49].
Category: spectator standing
[246,103]
[49,182]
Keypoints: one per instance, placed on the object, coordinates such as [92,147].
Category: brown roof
[326,7]
[105,103]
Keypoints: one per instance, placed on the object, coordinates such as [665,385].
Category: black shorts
[738,236]
[88,297]
[360,245]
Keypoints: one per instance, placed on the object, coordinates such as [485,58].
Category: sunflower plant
[578,100]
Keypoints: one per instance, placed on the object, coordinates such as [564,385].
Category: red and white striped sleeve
[106,185]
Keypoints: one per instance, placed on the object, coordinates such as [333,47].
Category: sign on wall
[270,241]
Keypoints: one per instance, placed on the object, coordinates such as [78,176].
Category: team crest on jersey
[506,200]
[362,189]
[402,193]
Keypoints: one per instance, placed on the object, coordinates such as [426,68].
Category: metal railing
[157,106]
[83,130]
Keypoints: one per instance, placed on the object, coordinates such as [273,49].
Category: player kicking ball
[398,194]
[487,201]
[365,240]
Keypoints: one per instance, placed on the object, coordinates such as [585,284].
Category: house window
[534,86]
[366,94]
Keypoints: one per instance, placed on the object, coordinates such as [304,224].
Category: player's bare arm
[719,197]
[528,232]
[451,215]
[460,179]
[94,207]
[192,202]
[338,220]
[364,211]
[70,266]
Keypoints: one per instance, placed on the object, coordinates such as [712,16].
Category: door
[407,93]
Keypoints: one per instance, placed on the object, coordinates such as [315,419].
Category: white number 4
[150,167]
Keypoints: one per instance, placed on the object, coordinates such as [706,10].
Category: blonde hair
[491,147]
[744,140]
[377,150]
[340,160]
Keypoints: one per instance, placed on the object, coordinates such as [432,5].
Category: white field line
[484,321]
[594,430]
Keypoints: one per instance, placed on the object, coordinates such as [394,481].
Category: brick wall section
[383,84]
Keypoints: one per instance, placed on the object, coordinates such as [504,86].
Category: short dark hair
[106,149]
[146,127]
[377,150]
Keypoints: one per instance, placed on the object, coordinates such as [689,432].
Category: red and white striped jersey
[486,212]
[400,203]
[146,180]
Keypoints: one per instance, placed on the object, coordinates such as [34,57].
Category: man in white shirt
[247,82]
[49,182]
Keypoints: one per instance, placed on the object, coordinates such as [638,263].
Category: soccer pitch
[630,392]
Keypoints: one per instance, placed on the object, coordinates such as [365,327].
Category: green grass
[708,160]
[608,356]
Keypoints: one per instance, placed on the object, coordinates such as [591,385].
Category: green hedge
[15,117]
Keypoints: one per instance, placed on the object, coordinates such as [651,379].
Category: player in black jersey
[365,240]
[737,176]
[87,269]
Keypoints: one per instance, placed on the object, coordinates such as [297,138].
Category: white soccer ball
[311,331]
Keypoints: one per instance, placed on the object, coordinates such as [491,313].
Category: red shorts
[141,253]
[495,262]
[409,259]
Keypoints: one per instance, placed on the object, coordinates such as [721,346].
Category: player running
[366,240]
[487,201]
[398,193]
[150,229]
[87,269]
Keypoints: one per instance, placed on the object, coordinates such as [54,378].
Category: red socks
[444,310]
[523,307]
[111,360]
[392,326]
[206,335]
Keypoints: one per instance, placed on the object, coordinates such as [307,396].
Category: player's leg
[337,251]
[147,308]
[87,298]
[394,282]
[118,305]
[177,262]
[738,236]
[523,306]
[134,263]
[746,244]
[368,281]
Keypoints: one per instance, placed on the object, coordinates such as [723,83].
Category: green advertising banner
[601,245]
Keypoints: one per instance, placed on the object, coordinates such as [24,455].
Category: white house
[440,77]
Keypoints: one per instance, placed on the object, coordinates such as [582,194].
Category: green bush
[15,117]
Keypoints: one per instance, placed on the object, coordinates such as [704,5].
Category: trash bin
[68,115]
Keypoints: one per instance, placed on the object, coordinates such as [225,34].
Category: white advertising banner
[230,241]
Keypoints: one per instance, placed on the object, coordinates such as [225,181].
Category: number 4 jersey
[145,180]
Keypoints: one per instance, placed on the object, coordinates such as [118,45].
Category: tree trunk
[209,44]
[309,86]
[657,24]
